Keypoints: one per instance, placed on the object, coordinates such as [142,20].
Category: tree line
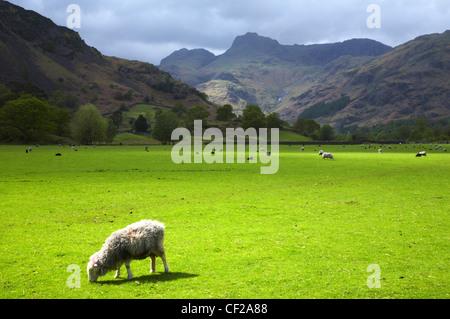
[27,115]
[168,120]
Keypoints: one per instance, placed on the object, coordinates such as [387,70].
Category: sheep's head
[93,268]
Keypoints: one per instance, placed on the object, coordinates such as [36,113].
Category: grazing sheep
[327,155]
[320,152]
[136,241]
[420,154]
[379,151]
[302,149]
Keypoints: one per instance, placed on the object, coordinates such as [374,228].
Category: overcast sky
[149,30]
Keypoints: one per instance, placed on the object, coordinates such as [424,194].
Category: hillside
[35,50]
[410,81]
[257,69]
[378,82]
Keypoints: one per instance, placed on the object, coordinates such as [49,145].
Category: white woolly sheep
[136,241]
[327,155]
[379,150]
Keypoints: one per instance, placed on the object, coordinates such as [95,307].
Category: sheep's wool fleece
[136,241]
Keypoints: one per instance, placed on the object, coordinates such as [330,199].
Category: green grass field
[309,231]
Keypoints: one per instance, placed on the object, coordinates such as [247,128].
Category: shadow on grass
[152,278]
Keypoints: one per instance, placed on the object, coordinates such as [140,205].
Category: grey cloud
[152,29]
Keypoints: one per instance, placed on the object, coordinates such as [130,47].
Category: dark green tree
[361,135]
[61,119]
[141,125]
[402,132]
[420,130]
[117,118]
[197,112]
[326,133]
[165,123]
[306,127]
[179,108]
[129,95]
[111,130]
[273,121]
[254,117]
[61,100]
[26,119]
[225,113]
[6,94]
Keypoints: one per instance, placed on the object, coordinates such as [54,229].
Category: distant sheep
[136,241]
[379,150]
[423,153]
[327,155]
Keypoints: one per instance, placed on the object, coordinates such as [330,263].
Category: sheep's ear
[93,262]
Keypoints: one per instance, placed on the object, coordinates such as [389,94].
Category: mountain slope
[381,83]
[35,50]
[256,69]
[410,81]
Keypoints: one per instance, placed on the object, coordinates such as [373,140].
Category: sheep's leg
[117,272]
[127,264]
[166,267]
[153,263]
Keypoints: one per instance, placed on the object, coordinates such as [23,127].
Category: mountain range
[34,50]
[356,82]
[359,81]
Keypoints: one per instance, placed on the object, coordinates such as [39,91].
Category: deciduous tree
[88,125]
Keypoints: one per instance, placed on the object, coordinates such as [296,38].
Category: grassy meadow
[309,231]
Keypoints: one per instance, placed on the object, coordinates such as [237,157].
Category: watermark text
[234,149]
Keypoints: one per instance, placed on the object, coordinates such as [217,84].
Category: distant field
[309,231]
[129,138]
[139,109]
